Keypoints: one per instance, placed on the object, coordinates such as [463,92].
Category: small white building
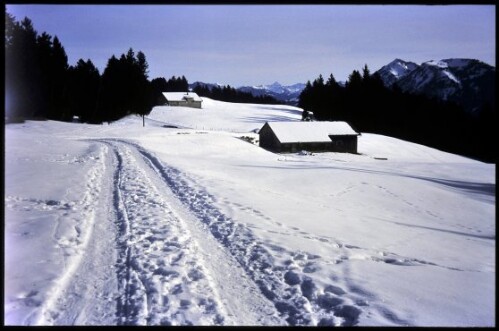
[183,99]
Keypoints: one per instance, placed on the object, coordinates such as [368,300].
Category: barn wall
[193,104]
[310,147]
[183,103]
[174,103]
[268,140]
[341,144]
[344,144]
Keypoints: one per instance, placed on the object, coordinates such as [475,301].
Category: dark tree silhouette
[35,72]
[83,89]
[124,88]
[369,106]
[158,86]
[58,104]
[21,69]
[41,84]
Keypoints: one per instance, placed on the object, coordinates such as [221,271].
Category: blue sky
[260,44]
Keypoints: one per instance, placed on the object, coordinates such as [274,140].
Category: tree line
[41,84]
[369,106]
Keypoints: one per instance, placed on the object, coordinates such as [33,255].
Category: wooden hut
[292,137]
[183,99]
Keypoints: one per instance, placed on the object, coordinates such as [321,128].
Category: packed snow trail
[164,275]
[160,274]
[292,293]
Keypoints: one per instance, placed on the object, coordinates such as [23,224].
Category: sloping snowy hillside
[155,225]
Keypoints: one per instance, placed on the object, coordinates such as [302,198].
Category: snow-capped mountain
[276,87]
[468,82]
[395,70]
[286,93]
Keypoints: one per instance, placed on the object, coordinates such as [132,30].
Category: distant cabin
[292,137]
[183,99]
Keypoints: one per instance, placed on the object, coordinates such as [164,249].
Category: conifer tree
[158,86]
[331,81]
[354,80]
[365,73]
[59,68]
[83,89]
[21,76]
[125,88]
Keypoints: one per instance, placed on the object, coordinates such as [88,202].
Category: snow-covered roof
[299,131]
[181,96]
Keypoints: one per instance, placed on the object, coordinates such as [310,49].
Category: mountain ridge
[287,94]
[467,82]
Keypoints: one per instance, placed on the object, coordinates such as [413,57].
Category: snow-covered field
[124,224]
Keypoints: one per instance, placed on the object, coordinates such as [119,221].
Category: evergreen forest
[40,83]
[368,106]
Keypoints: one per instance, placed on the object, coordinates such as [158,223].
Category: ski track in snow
[158,257]
[72,234]
[160,276]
